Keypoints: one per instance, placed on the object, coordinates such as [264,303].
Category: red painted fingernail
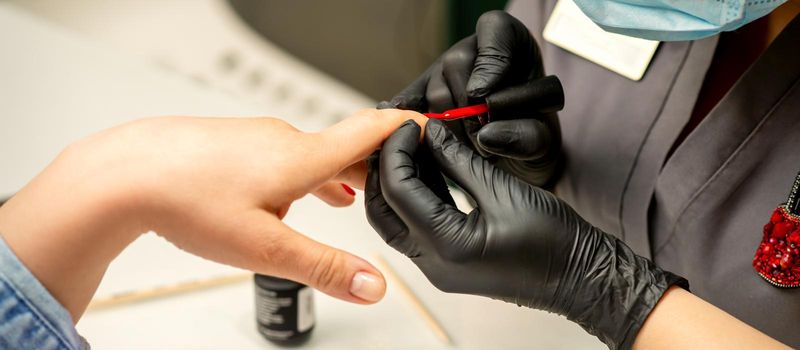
[348,190]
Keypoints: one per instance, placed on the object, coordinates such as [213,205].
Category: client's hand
[215,187]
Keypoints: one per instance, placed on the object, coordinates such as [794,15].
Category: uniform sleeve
[30,318]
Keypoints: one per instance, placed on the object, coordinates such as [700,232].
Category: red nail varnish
[459,113]
[348,190]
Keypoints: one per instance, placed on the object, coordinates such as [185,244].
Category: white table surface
[57,86]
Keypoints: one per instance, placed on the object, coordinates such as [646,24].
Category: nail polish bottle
[284,310]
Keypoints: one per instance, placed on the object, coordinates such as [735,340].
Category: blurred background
[357,41]
[374,46]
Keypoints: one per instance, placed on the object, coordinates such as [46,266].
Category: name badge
[571,30]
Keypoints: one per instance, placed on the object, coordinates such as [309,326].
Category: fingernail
[496,140]
[367,286]
[348,189]
[475,88]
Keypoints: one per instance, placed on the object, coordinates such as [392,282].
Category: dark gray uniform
[700,211]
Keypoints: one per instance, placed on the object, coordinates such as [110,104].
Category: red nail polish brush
[459,113]
[543,95]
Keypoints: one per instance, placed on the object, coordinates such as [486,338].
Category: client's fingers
[354,175]
[336,194]
[356,137]
[291,255]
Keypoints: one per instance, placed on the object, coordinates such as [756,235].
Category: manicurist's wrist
[622,299]
[651,323]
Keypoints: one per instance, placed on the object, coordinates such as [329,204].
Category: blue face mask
[674,20]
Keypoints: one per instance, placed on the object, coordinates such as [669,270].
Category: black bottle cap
[275,283]
[539,96]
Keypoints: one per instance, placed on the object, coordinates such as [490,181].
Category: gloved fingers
[413,96]
[472,126]
[460,163]
[385,105]
[500,37]
[411,198]
[382,217]
[431,175]
[537,173]
[520,139]
[414,187]
[335,194]
[457,63]
[438,93]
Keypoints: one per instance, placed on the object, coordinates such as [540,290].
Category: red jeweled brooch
[778,256]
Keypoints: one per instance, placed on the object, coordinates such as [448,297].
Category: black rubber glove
[521,244]
[500,54]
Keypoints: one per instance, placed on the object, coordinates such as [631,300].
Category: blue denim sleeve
[30,318]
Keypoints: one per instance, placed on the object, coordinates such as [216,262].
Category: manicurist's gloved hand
[500,54]
[521,244]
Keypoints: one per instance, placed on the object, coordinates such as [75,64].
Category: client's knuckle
[326,271]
